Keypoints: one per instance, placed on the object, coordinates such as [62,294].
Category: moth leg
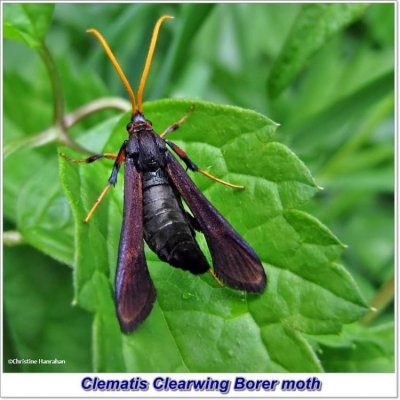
[92,158]
[97,202]
[193,167]
[177,124]
[215,277]
[119,159]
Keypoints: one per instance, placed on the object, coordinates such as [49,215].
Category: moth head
[138,123]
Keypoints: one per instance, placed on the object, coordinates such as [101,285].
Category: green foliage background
[323,72]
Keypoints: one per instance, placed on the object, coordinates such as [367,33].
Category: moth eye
[129,127]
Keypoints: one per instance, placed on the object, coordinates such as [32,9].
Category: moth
[156,185]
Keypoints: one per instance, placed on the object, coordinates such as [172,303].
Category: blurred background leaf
[333,98]
[40,319]
[27,22]
[315,24]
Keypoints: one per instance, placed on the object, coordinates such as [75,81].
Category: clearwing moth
[155,185]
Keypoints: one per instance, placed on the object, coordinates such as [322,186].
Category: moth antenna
[149,58]
[117,67]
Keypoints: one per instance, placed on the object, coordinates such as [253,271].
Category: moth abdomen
[166,228]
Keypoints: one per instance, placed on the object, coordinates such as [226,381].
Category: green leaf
[41,322]
[15,175]
[375,260]
[359,349]
[315,25]
[27,22]
[351,110]
[193,18]
[205,327]
[32,98]
[43,215]
[383,33]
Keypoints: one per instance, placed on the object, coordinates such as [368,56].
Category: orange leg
[97,202]
[88,160]
[94,157]
[119,159]
[176,125]
[193,167]
[212,273]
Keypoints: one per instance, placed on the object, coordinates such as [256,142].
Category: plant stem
[58,100]
[383,297]
[94,106]
[58,132]
[40,139]
[53,134]
[58,108]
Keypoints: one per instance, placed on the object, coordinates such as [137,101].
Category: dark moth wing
[134,289]
[235,262]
